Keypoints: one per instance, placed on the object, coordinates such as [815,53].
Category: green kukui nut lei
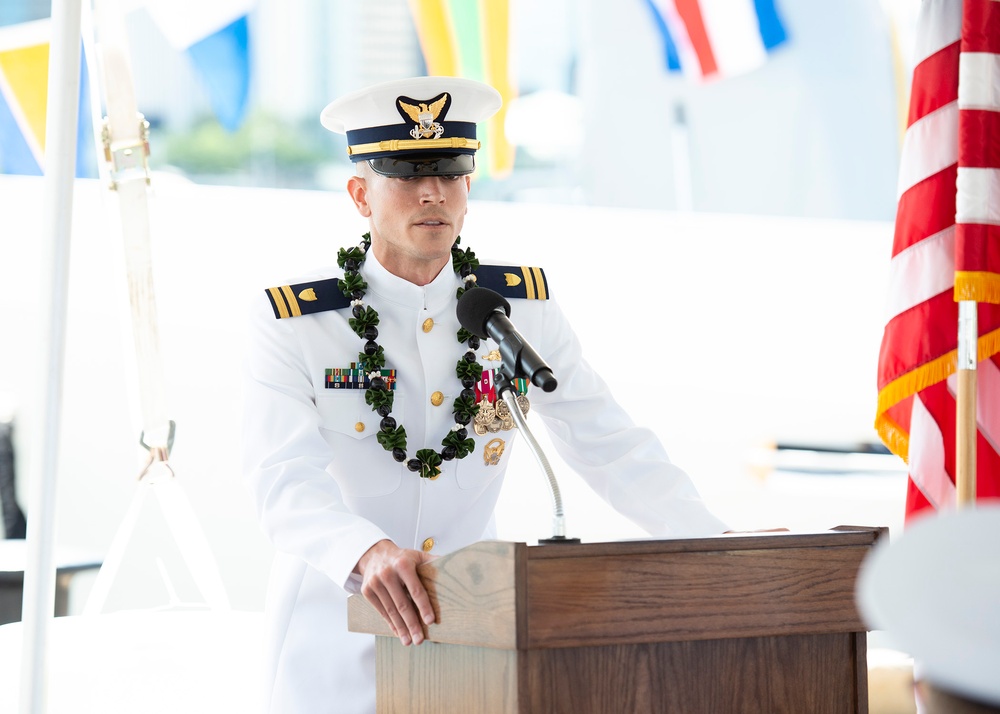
[457,443]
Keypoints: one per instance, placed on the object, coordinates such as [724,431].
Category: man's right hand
[391,584]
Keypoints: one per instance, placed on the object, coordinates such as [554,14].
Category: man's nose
[432,189]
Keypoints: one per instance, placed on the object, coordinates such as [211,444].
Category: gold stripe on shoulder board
[293,303]
[529,283]
[539,283]
[279,302]
[534,283]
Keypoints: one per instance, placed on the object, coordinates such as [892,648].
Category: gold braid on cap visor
[455,142]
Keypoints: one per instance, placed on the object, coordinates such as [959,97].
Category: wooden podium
[740,624]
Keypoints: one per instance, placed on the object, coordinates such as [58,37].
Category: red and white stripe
[955,94]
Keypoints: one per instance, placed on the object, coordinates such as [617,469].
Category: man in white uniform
[372,439]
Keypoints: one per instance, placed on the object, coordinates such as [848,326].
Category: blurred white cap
[935,592]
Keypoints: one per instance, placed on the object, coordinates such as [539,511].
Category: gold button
[428,545]
[428,325]
[437,398]
[359,427]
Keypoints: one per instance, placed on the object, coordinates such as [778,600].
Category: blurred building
[814,132]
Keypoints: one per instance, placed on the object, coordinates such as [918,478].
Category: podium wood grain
[743,624]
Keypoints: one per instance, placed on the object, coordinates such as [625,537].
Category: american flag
[946,248]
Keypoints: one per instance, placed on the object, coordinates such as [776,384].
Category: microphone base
[557,539]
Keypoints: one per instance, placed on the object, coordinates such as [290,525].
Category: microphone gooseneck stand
[506,391]
[484,313]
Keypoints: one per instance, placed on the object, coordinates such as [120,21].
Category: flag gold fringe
[989,345]
[896,439]
[894,436]
[977,286]
[917,380]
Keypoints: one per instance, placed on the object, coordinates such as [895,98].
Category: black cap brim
[400,166]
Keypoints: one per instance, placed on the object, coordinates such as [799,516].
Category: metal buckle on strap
[129,157]
[158,454]
[170,438]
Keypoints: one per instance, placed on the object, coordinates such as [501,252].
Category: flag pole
[966,431]
[60,169]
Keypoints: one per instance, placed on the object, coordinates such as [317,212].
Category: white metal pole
[680,147]
[60,169]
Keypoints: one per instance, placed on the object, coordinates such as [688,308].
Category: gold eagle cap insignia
[425,114]
[512,280]
[308,295]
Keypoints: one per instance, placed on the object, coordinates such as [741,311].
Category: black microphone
[485,313]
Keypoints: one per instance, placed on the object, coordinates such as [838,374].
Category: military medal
[503,414]
[484,417]
[495,416]
[522,395]
[494,413]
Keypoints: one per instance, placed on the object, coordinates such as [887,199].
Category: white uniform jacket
[325,490]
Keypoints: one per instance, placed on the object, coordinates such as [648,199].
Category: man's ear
[358,190]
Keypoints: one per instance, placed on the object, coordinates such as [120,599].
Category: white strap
[128,176]
[126,146]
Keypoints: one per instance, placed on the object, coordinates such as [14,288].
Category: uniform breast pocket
[360,465]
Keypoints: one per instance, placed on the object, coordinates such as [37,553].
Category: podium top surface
[839,536]
[513,596]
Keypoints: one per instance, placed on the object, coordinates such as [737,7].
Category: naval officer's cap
[414,127]
[935,594]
